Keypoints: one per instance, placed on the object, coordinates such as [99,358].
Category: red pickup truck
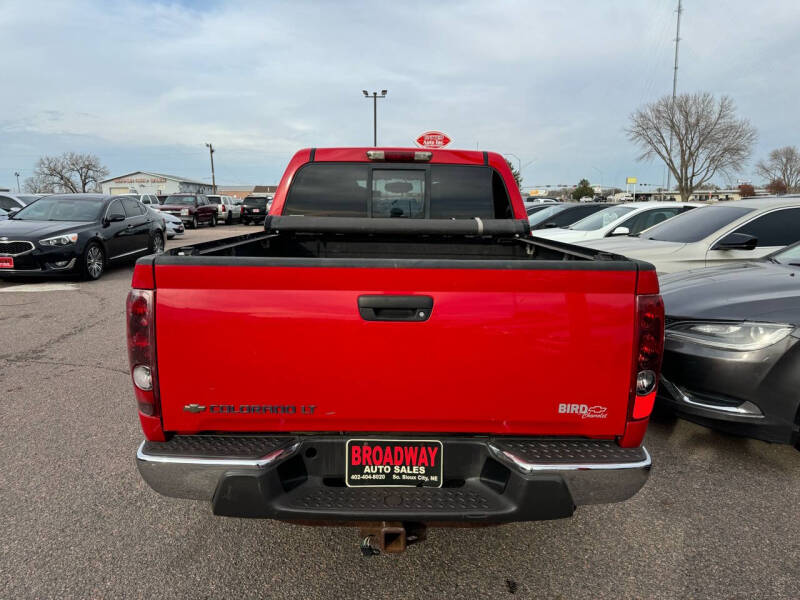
[407,352]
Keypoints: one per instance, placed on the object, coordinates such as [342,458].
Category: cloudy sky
[145,84]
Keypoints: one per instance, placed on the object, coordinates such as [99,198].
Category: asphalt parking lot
[718,518]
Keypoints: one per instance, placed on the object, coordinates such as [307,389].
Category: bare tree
[783,165]
[71,172]
[37,185]
[708,138]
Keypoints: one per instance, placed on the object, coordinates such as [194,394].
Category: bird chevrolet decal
[584,410]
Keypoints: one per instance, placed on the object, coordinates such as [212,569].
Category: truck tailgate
[544,349]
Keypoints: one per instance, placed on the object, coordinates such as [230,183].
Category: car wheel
[194,223]
[244,222]
[157,243]
[213,221]
[94,261]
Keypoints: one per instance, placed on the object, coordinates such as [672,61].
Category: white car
[13,202]
[172,225]
[228,208]
[538,200]
[718,234]
[617,220]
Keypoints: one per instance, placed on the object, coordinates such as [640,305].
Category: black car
[254,209]
[562,215]
[732,347]
[77,234]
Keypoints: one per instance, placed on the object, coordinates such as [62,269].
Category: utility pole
[674,81]
[374,97]
[16,174]
[213,180]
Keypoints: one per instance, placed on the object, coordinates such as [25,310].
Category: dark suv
[255,208]
[192,209]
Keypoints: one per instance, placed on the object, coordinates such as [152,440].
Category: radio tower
[674,80]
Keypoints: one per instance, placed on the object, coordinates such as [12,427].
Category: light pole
[213,179]
[16,174]
[601,175]
[374,97]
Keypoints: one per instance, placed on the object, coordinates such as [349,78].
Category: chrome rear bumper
[490,479]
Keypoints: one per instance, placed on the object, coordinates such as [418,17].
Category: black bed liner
[396,243]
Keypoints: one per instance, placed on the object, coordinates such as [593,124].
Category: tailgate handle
[395,308]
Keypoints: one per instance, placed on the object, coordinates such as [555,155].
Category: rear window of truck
[398,190]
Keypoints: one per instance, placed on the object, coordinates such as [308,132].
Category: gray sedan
[732,347]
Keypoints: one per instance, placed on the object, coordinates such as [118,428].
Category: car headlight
[184,212]
[60,240]
[730,336]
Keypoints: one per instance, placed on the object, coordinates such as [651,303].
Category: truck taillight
[141,355]
[650,336]
[224,208]
[648,352]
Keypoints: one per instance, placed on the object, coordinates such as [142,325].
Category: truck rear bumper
[485,479]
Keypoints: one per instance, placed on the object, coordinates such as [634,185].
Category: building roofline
[153,174]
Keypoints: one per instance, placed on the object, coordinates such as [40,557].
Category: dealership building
[144,182]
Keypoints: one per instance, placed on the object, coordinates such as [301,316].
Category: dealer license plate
[256,210]
[393,463]
[6,262]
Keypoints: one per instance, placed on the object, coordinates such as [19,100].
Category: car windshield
[534,209]
[255,201]
[542,215]
[27,198]
[62,208]
[602,218]
[179,200]
[695,225]
[789,256]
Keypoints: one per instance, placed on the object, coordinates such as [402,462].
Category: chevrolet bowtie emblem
[194,408]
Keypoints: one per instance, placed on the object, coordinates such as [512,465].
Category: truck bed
[510,330]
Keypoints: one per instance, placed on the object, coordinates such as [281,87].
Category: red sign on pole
[433,139]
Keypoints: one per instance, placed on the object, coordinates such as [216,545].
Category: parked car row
[208,209]
[730,280]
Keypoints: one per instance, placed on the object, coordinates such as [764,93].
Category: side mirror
[621,231]
[736,241]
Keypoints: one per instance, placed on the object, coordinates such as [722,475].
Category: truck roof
[465,157]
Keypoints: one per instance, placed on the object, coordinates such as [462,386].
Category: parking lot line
[41,287]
